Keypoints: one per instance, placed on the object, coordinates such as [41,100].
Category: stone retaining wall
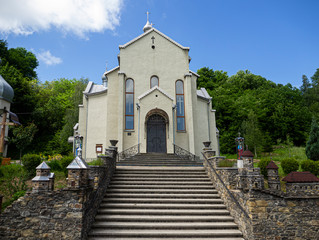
[271,215]
[61,214]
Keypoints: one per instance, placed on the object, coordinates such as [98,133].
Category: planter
[113,142]
[207,144]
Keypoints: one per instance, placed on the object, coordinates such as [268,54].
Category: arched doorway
[156,134]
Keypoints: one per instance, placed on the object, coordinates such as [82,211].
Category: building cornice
[148,32]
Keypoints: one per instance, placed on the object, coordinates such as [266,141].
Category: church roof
[300,177]
[152,90]
[92,89]
[113,69]
[6,91]
[148,32]
[202,93]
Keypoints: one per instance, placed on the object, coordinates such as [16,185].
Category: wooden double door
[156,134]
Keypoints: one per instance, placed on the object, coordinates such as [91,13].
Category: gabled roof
[202,93]
[113,69]
[300,177]
[77,163]
[43,165]
[272,165]
[247,153]
[194,73]
[148,32]
[152,90]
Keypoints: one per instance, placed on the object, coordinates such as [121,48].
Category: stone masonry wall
[61,214]
[270,216]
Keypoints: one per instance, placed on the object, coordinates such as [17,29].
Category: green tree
[23,136]
[312,147]
[252,133]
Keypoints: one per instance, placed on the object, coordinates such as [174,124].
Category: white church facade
[150,99]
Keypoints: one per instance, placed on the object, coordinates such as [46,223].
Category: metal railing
[183,153]
[129,152]
[224,185]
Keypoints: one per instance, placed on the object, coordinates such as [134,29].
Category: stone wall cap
[77,163]
[300,177]
[43,165]
[272,165]
[247,153]
[40,178]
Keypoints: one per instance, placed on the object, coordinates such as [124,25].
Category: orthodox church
[149,100]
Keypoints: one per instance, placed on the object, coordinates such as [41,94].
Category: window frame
[180,94]
[129,115]
[151,80]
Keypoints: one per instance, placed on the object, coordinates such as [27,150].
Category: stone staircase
[172,202]
[158,159]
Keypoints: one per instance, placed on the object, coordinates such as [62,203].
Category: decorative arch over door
[156,121]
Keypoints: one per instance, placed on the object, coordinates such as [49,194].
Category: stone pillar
[121,107]
[78,176]
[44,180]
[273,176]
[248,159]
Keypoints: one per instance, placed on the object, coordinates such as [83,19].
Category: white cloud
[48,58]
[71,16]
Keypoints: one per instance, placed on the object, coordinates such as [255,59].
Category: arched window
[154,81]
[180,109]
[129,104]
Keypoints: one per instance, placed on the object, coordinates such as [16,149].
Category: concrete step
[163,200]
[161,190]
[161,206]
[164,182]
[162,212]
[166,238]
[166,233]
[161,179]
[162,195]
[162,218]
[165,225]
[160,186]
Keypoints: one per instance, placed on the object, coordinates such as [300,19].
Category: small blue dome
[6,91]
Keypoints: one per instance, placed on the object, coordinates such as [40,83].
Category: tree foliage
[312,147]
[279,110]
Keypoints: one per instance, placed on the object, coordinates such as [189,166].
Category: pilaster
[121,107]
[189,111]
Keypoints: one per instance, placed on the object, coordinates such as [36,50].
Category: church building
[149,100]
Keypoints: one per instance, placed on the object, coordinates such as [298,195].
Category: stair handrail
[227,190]
[129,152]
[183,153]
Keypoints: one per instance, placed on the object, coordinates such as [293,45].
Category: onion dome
[6,91]
[147,26]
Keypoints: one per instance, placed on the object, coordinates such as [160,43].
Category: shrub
[55,166]
[96,162]
[225,163]
[311,166]
[289,165]
[64,162]
[13,180]
[312,147]
[30,162]
[1,157]
[262,165]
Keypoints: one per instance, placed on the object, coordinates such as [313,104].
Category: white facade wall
[102,116]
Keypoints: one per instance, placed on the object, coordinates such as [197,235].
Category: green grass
[280,152]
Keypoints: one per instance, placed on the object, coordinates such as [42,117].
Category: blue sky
[278,40]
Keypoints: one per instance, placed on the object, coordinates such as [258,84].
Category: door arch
[156,134]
